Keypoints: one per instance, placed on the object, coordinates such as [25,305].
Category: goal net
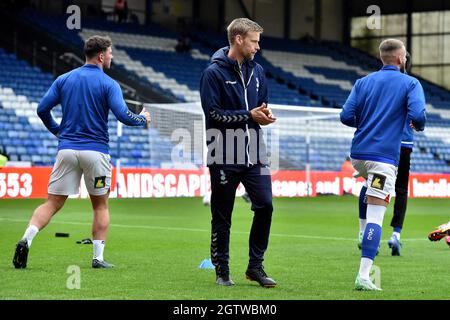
[301,137]
[307,139]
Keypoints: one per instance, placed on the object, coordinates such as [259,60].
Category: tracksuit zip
[246,105]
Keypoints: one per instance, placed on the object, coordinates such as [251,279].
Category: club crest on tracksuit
[223,178]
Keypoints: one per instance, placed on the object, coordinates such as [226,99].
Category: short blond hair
[242,26]
[389,49]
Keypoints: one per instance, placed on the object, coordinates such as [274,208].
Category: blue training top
[408,137]
[86,95]
[378,107]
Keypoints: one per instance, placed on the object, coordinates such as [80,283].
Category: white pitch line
[204,230]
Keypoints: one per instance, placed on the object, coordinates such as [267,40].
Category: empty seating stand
[319,74]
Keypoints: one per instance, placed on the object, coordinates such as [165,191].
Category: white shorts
[380,178]
[71,164]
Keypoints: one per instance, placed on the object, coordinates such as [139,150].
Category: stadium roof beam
[287,19]
[409,27]
[358,8]
[245,11]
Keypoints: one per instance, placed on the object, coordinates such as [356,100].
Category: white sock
[364,268]
[99,246]
[375,214]
[396,234]
[362,224]
[30,233]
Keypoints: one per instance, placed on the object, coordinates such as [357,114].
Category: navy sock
[362,204]
[398,229]
[371,241]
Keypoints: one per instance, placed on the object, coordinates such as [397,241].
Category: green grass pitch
[158,244]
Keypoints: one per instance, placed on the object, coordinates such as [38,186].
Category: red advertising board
[156,183]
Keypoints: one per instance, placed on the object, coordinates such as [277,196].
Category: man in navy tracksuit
[378,107]
[233,92]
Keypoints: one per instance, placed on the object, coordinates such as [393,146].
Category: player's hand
[270,115]
[262,115]
[268,112]
[147,116]
[412,126]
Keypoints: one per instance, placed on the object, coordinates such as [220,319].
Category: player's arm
[210,96]
[119,108]
[349,110]
[416,106]
[48,102]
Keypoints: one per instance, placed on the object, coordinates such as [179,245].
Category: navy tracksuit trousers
[258,184]
[401,188]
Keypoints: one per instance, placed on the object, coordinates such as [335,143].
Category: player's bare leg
[41,217]
[100,229]
[44,213]
[376,201]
